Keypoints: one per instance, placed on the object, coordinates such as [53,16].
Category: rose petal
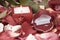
[10,20]
[53,3]
[5,36]
[1,8]
[27,28]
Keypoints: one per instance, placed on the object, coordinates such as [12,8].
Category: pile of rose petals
[21,24]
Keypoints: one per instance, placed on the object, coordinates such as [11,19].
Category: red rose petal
[4,21]
[57,20]
[5,36]
[10,20]
[53,3]
[58,27]
[9,11]
[27,29]
[52,12]
[2,8]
